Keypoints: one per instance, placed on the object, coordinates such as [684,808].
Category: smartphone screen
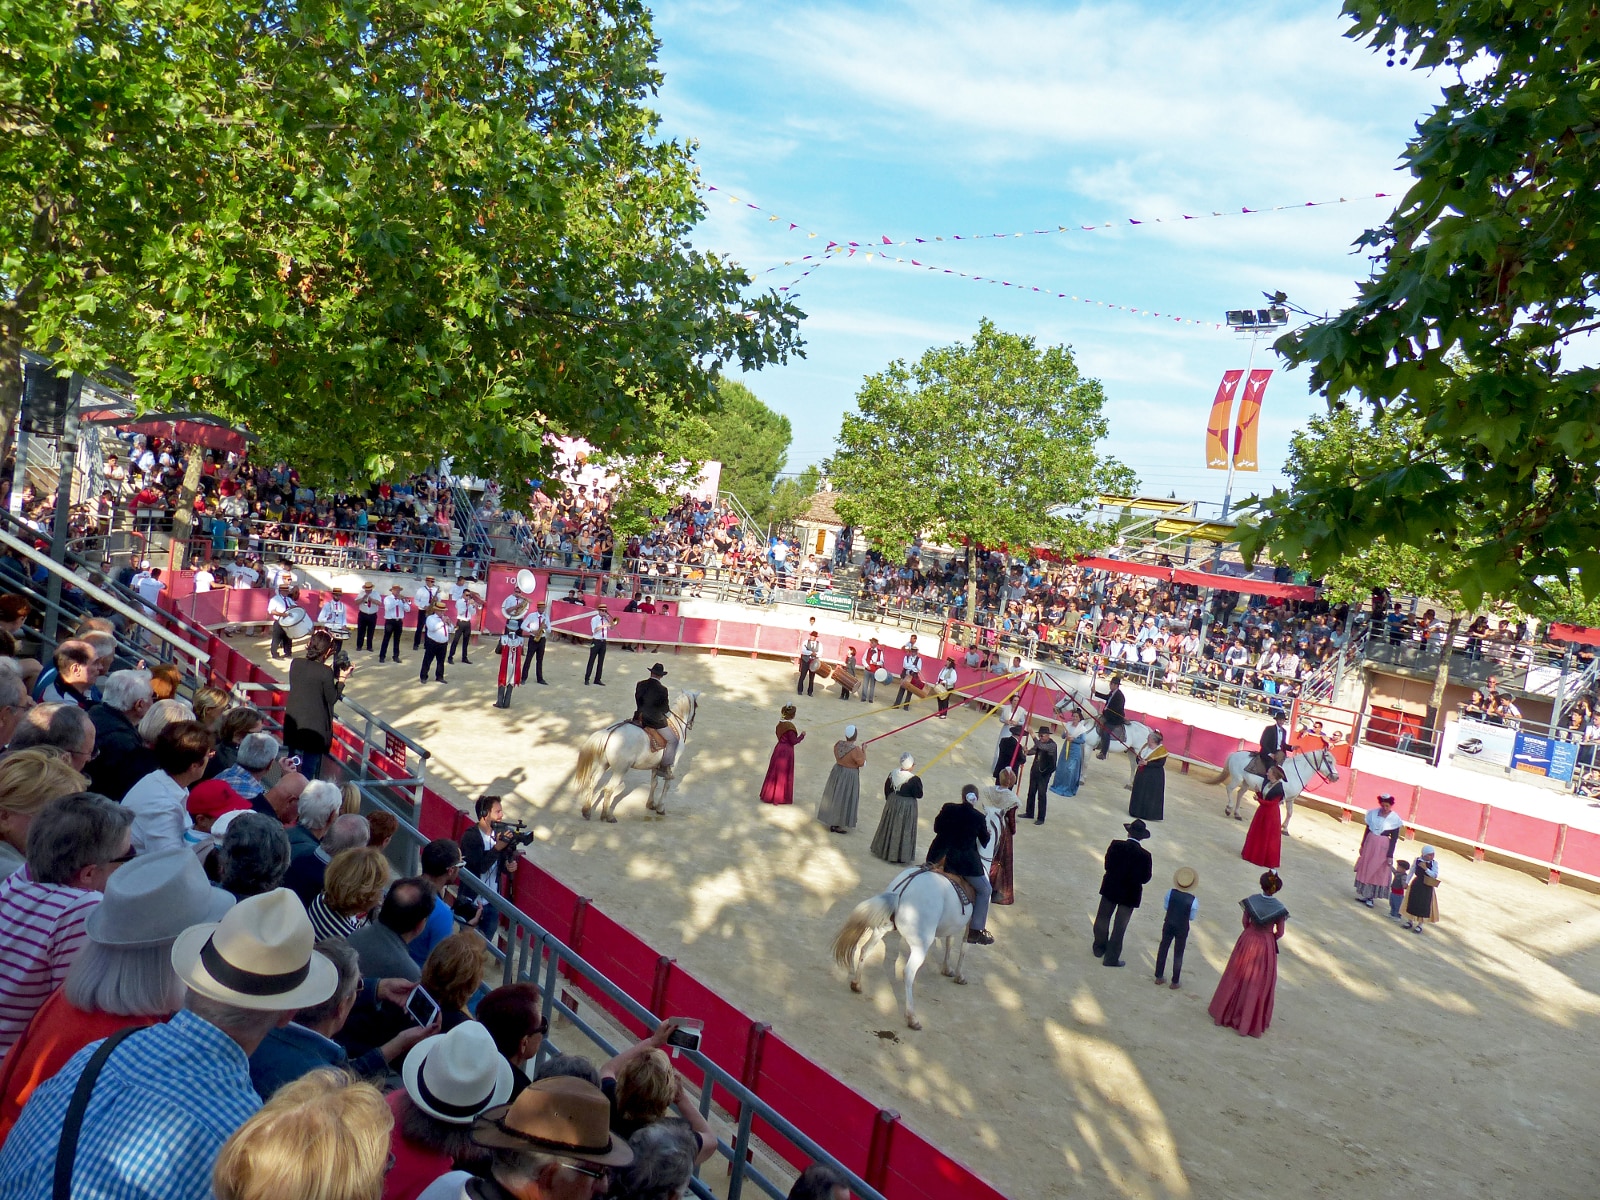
[687,1034]
[421,1007]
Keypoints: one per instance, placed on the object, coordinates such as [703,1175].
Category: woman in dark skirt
[1422,893]
[896,839]
[1149,799]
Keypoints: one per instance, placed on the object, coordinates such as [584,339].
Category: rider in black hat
[652,704]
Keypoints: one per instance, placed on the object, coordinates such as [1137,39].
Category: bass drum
[297,623]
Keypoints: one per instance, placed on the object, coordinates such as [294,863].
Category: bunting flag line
[1123,223]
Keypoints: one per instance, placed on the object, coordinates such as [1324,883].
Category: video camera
[341,663]
[521,835]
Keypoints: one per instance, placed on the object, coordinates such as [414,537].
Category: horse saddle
[658,737]
[964,890]
[1259,763]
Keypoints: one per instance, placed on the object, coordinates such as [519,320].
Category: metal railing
[1518,666]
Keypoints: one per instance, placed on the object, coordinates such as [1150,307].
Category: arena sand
[1457,1063]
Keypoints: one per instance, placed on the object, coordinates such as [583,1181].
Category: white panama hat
[153,899]
[261,955]
[455,1076]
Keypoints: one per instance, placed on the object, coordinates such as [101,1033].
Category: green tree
[986,443]
[750,441]
[1489,262]
[791,495]
[378,232]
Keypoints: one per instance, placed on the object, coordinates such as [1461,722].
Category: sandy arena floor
[1452,1064]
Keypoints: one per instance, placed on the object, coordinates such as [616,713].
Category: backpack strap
[72,1124]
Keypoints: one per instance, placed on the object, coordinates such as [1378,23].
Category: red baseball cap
[213,798]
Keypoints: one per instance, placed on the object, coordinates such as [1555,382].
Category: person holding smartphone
[489,856]
[638,1079]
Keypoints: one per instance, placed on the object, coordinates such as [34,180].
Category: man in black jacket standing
[1040,774]
[1128,869]
[958,831]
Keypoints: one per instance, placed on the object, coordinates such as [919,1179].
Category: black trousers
[461,637]
[902,698]
[1107,734]
[1038,790]
[1176,940]
[281,642]
[1110,923]
[597,661]
[503,696]
[392,631]
[944,703]
[422,622]
[808,677]
[432,652]
[533,658]
[366,626]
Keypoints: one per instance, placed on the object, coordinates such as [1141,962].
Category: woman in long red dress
[1249,985]
[1263,842]
[778,786]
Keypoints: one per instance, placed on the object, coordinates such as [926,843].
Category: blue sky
[864,120]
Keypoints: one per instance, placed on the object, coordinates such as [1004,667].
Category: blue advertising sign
[1544,756]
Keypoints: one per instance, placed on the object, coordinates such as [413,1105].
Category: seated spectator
[283,797]
[236,724]
[75,845]
[307,868]
[453,973]
[324,1137]
[171,1095]
[663,1161]
[209,704]
[158,802]
[819,1181]
[123,757]
[209,800]
[252,763]
[350,798]
[441,867]
[76,665]
[165,680]
[513,1018]
[123,976]
[165,711]
[401,918]
[306,1044]
[352,888]
[573,1066]
[450,1080]
[14,699]
[381,828]
[252,856]
[641,1085]
[104,644]
[64,727]
[550,1143]
[29,780]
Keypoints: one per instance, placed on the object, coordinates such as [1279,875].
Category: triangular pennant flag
[886,241]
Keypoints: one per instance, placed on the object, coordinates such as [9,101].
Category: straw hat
[259,955]
[1186,879]
[563,1116]
[455,1076]
[153,899]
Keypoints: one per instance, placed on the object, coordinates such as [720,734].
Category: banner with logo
[1544,756]
[1480,742]
[1244,434]
[1217,426]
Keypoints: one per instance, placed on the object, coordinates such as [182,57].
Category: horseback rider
[1112,717]
[958,831]
[1275,742]
[652,705]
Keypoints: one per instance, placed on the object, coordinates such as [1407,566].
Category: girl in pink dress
[778,786]
[1248,986]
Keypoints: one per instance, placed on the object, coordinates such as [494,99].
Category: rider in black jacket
[958,831]
[652,704]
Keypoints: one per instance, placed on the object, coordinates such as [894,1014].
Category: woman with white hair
[122,977]
[841,795]
[896,839]
[663,1160]
[161,714]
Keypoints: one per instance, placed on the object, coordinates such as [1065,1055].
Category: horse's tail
[865,919]
[1219,777]
[592,763]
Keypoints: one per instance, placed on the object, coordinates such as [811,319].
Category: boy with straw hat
[1181,905]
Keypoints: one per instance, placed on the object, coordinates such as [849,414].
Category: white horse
[919,906]
[623,747]
[1298,771]
[1130,739]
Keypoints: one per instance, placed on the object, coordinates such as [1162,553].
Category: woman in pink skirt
[1249,985]
[778,786]
[1375,862]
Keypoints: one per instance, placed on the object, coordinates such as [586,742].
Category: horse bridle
[694,707]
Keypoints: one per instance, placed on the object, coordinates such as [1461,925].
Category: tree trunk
[10,387]
[1441,678]
[183,515]
[972,589]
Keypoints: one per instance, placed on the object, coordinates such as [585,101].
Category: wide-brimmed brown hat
[260,955]
[562,1116]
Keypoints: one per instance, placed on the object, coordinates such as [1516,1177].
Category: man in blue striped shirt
[169,1096]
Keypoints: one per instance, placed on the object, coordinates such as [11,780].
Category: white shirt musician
[426,596]
[332,617]
[437,632]
[278,608]
[910,665]
[395,607]
[368,605]
[599,632]
[535,628]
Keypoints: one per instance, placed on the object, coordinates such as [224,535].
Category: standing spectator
[778,785]
[344,832]
[29,780]
[324,1137]
[512,1015]
[314,690]
[124,759]
[74,847]
[441,867]
[123,975]
[873,662]
[159,801]
[63,727]
[1128,867]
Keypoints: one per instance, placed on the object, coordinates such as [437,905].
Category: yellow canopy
[1144,503]
[1205,531]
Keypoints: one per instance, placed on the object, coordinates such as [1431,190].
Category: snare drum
[296,623]
[881,675]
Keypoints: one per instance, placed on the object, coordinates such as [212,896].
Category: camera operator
[489,851]
[314,689]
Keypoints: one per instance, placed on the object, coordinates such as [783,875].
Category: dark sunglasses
[122,858]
